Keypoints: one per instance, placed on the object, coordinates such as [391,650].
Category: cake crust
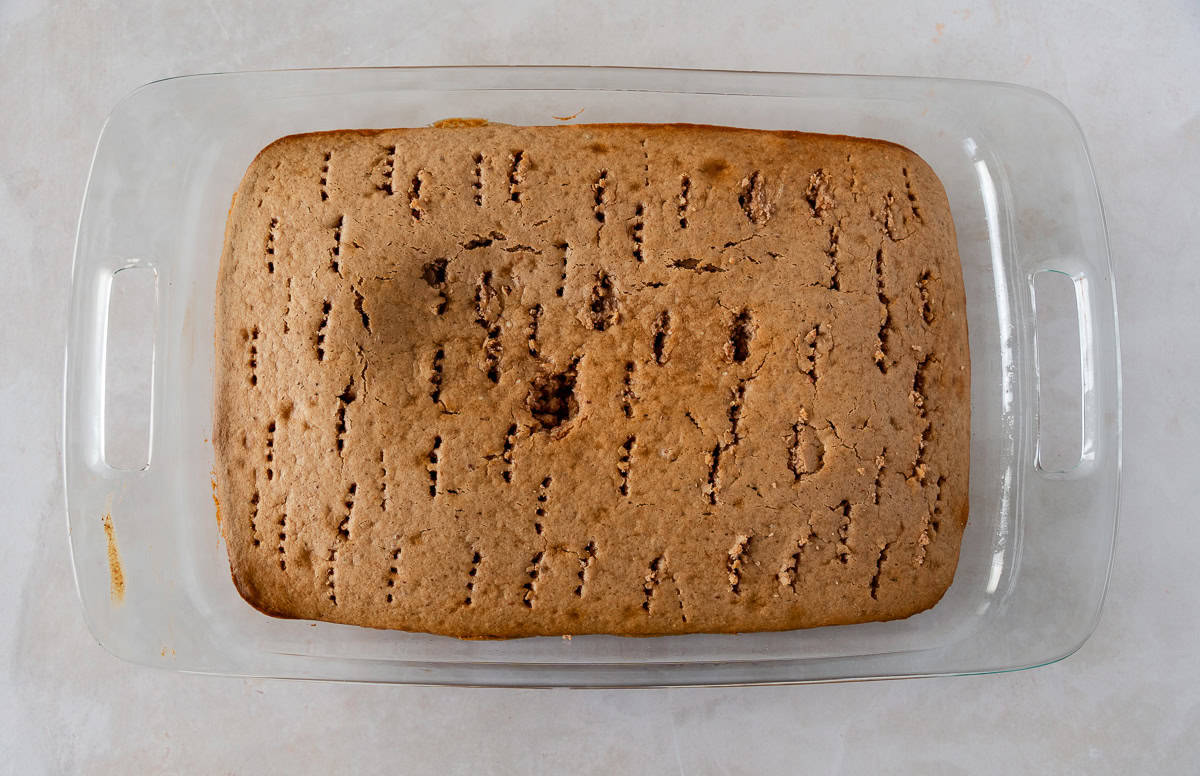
[499,381]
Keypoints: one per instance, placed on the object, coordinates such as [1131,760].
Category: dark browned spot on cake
[551,398]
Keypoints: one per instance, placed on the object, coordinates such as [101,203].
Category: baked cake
[496,381]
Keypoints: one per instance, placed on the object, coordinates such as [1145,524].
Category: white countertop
[1128,701]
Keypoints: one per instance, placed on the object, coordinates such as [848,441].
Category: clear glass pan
[1036,553]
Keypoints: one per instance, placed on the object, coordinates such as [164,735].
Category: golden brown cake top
[636,379]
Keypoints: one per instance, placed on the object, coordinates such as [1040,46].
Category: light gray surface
[1130,697]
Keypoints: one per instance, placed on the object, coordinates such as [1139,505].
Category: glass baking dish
[1036,554]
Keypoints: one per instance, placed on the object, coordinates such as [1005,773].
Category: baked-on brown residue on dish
[216,501]
[116,577]
[492,381]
